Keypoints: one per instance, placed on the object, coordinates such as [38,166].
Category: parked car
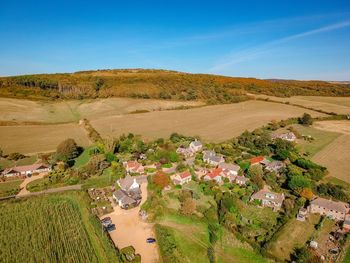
[106,223]
[150,240]
[106,219]
[110,228]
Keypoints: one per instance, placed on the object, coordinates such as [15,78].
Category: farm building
[26,170]
[333,209]
[289,136]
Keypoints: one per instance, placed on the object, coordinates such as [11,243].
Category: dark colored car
[150,240]
[106,223]
[110,228]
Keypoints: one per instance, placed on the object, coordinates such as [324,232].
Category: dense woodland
[158,84]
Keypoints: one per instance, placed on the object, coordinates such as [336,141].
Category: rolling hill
[158,84]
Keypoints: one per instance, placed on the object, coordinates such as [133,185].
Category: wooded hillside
[159,84]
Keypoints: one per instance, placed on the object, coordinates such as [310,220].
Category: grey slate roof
[331,205]
[229,166]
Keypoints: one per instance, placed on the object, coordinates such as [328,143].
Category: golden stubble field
[339,105]
[20,110]
[211,123]
[336,155]
[39,138]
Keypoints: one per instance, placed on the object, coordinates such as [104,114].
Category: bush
[306,120]
[167,244]
[15,156]
[67,150]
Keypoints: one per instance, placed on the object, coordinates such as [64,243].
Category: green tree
[298,182]
[306,119]
[67,150]
[256,173]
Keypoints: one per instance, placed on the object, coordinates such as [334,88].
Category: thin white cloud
[252,53]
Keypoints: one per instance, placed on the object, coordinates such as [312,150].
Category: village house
[230,168]
[333,209]
[128,183]
[214,174]
[26,170]
[133,167]
[181,178]
[185,151]
[289,136]
[269,199]
[211,158]
[346,223]
[257,160]
[241,180]
[129,193]
[196,146]
[274,166]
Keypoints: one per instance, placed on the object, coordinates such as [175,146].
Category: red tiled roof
[185,174]
[257,159]
[215,172]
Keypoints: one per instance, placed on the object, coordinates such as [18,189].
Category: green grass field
[192,241]
[321,139]
[55,228]
[10,187]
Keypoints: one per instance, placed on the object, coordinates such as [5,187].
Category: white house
[196,146]
[128,183]
[268,198]
[211,158]
[133,167]
[229,168]
[182,178]
[26,170]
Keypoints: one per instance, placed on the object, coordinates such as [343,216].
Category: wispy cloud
[257,51]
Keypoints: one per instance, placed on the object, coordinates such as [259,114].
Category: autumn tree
[188,206]
[161,179]
[306,193]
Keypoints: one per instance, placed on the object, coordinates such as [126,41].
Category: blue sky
[264,39]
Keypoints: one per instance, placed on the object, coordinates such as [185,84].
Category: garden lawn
[10,187]
[321,139]
[293,234]
[106,179]
[83,158]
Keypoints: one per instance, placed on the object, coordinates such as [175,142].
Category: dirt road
[26,181]
[131,230]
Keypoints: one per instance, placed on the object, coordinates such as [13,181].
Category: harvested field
[39,138]
[19,110]
[339,105]
[334,126]
[336,157]
[214,123]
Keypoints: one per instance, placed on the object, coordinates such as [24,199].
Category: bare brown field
[39,138]
[339,105]
[212,123]
[336,155]
[20,110]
